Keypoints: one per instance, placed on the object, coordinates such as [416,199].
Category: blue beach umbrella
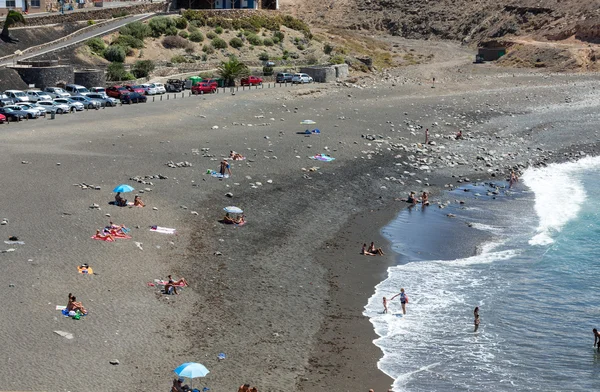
[233,210]
[191,370]
[123,188]
[307,122]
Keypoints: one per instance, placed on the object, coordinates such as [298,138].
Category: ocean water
[529,258]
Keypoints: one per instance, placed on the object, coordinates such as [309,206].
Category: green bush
[128,41]
[208,49]
[236,43]
[218,43]
[204,57]
[120,14]
[189,50]
[171,30]
[175,42]
[337,59]
[115,53]
[196,36]
[279,35]
[267,71]
[91,22]
[219,30]
[142,68]
[161,24]
[311,59]
[264,56]
[275,40]
[255,40]
[328,48]
[138,30]
[181,23]
[268,42]
[96,44]
[211,35]
[117,72]
[183,34]
[294,55]
[177,59]
[192,28]
[300,47]
[128,51]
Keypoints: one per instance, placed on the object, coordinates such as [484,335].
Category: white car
[76,89]
[37,95]
[104,99]
[17,95]
[160,88]
[301,78]
[149,89]
[33,106]
[98,90]
[52,106]
[56,92]
[73,105]
[31,113]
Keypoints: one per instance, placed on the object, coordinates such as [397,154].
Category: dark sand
[285,297]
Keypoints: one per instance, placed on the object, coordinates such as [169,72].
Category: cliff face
[464,20]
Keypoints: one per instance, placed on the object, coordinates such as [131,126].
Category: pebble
[194,213]
[155,208]
[114,362]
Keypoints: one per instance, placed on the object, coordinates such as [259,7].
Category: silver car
[86,101]
[56,107]
[30,113]
[104,99]
[73,105]
[56,92]
[37,95]
[302,78]
[33,106]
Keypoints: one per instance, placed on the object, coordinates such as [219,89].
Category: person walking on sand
[596,338]
[426,135]
[476,315]
[385,309]
[403,299]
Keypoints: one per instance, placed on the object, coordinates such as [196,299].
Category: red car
[204,88]
[211,82]
[251,81]
[3,119]
[116,91]
[135,89]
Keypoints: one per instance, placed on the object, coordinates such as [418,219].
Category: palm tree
[232,69]
[12,18]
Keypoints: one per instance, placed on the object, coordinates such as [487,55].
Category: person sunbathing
[137,201]
[365,252]
[174,284]
[75,306]
[228,219]
[119,201]
[375,251]
[104,235]
[235,156]
[241,219]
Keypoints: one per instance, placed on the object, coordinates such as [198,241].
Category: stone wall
[43,77]
[95,14]
[90,77]
[321,74]
[341,71]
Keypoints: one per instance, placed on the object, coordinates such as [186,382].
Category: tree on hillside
[12,18]
[232,69]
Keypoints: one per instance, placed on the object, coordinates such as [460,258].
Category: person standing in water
[385,310]
[596,338]
[403,299]
[476,315]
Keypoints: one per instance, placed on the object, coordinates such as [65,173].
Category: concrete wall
[43,77]
[90,77]
[341,71]
[321,74]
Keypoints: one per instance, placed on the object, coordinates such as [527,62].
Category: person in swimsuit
[235,156]
[375,251]
[174,284]
[119,201]
[425,199]
[241,219]
[365,252]
[104,235]
[596,338]
[225,168]
[244,388]
[403,299]
[412,198]
[75,306]
[137,202]
[385,309]
[228,219]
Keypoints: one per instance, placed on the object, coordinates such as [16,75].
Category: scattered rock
[114,362]
[66,335]
[229,194]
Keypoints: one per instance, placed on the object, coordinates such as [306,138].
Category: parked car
[284,77]
[56,92]
[17,110]
[104,99]
[133,97]
[10,114]
[203,88]
[5,100]
[28,112]
[302,78]
[149,89]
[135,89]
[73,105]
[40,109]
[76,89]
[251,81]
[116,91]
[37,95]
[87,101]
[52,106]
[160,88]
[175,85]
[99,90]
[3,119]
[17,95]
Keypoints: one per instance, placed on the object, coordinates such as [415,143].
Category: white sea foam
[559,195]
[484,227]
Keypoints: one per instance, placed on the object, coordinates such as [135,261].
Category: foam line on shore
[559,195]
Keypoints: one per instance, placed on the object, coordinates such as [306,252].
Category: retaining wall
[90,77]
[43,77]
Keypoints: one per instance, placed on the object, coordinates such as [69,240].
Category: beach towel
[322,158]
[239,159]
[15,242]
[60,307]
[218,175]
[163,230]
[85,271]
[164,282]
[120,235]
[108,239]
